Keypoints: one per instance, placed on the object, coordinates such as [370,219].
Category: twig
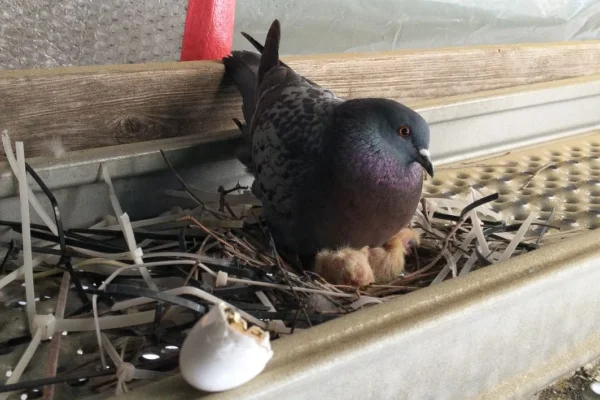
[477,166]
[222,203]
[203,245]
[188,189]
[549,165]
[205,229]
[192,270]
[487,159]
[545,228]
[287,279]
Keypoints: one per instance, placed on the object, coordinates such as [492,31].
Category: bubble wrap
[50,33]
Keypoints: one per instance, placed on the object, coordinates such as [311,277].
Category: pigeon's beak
[425,160]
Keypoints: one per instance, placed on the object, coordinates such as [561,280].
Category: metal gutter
[501,332]
[500,120]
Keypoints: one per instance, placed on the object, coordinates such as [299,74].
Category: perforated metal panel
[563,176]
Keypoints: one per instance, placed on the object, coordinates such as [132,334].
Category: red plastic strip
[208,32]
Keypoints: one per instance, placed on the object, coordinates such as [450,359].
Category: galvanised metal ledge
[502,332]
[500,120]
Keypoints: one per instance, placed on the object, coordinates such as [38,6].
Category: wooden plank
[88,107]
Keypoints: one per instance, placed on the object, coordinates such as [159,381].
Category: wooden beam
[89,107]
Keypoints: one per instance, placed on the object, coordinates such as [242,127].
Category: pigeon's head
[393,125]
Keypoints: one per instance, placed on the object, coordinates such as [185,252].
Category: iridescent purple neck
[374,195]
[391,172]
[381,169]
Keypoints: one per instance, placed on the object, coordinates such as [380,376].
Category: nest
[126,292]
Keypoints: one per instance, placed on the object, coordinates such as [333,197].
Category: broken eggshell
[221,353]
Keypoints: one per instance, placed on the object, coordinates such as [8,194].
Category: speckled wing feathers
[289,130]
[290,125]
[243,67]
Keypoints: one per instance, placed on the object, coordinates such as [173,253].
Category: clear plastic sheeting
[46,33]
[335,26]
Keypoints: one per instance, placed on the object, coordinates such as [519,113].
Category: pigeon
[333,175]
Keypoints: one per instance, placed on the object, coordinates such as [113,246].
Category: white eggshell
[217,356]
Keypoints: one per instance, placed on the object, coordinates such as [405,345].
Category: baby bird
[348,266]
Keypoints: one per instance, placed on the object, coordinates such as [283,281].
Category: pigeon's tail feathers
[243,151]
[260,48]
[240,125]
[270,54]
[242,67]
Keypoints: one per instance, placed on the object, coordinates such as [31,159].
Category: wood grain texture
[88,107]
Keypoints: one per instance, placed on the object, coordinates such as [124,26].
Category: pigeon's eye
[404,131]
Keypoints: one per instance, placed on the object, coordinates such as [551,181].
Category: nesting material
[133,291]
